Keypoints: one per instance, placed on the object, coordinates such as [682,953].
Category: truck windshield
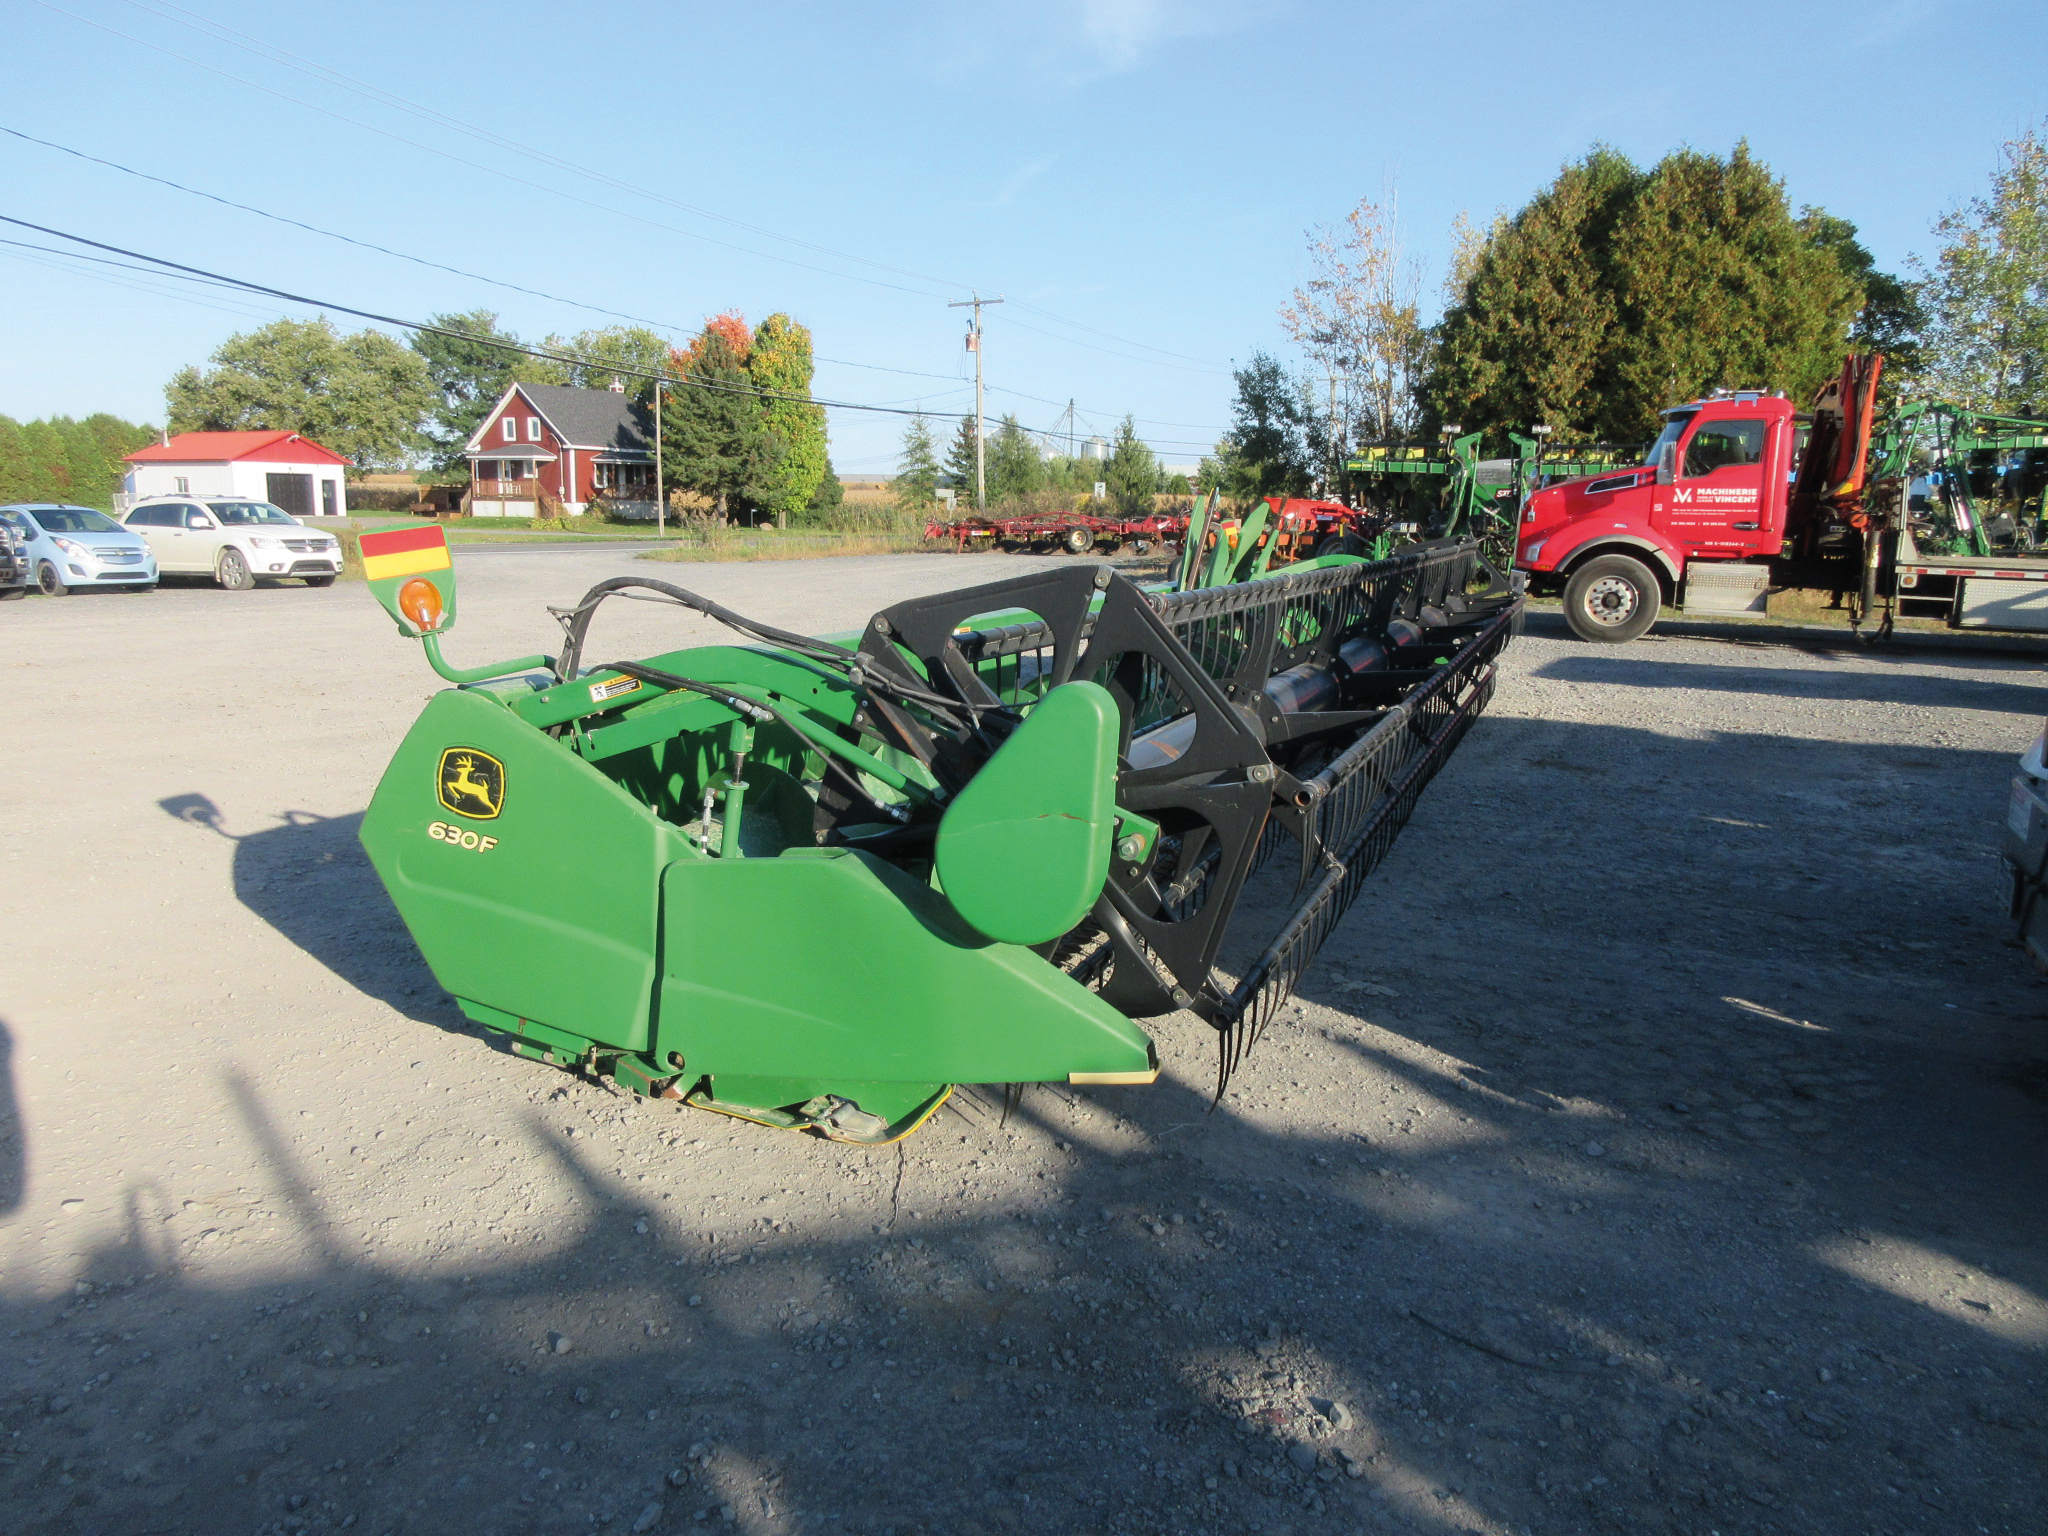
[1675,423]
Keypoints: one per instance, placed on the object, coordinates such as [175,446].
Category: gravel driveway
[1658,1146]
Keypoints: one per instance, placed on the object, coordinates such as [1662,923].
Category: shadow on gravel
[309,879]
[13,1134]
[1522,1338]
[2025,693]
[1651,1187]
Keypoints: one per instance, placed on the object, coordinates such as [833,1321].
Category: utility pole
[1331,484]
[660,491]
[980,435]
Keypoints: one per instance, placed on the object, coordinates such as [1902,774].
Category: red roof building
[282,468]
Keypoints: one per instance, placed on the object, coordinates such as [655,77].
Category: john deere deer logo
[472,783]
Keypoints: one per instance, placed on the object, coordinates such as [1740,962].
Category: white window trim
[508,429]
[533,429]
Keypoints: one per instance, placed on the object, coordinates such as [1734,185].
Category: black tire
[1077,541]
[1612,599]
[9,594]
[49,583]
[233,571]
[319,581]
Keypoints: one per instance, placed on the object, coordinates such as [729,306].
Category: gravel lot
[1658,1147]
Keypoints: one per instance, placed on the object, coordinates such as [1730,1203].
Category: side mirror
[200,524]
[1667,464]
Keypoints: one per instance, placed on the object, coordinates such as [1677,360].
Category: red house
[575,445]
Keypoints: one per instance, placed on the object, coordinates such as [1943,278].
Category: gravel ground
[1656,1148]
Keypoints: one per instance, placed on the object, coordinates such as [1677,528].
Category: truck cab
[1712,491]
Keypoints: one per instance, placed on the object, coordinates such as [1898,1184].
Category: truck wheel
[8,593]
[1077,541]
[234,571]
[1612,599]
[48,582]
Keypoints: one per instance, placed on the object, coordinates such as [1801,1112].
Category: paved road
[1657,1147]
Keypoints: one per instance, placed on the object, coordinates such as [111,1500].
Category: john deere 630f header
[815,883]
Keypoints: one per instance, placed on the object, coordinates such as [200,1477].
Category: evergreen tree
[960,459]
[1987,294]
[826,499]
[58,459]
[49,476]
[1891,319]
[1132,474]
[1616,291]
[1014,469]
[1523,342]
[13,462]
[1717,285]
[714,439]
[780,365]
[917,473]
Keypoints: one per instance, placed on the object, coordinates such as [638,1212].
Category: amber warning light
[420,601]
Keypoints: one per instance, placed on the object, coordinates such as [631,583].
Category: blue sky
[1135,176]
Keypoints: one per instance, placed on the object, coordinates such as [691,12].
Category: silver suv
[236,542]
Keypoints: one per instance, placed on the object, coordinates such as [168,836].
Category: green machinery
[1449,491]
[815,883]
[1986,475]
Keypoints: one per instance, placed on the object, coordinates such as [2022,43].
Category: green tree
[960,459]
[780,366]
[469,377]
[49,473]
[917,465]
[1015,469]
[1523,341]
[1132,474]
[1718,285]
[827,499]
[1892,318]
[603,353]
[1987,294]
[1616,291]
[364,395]
[715,441]
[1266,451]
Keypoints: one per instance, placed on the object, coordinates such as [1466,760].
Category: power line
[597,364]
[476,165]
[371,245]
[206,26]
[220,32]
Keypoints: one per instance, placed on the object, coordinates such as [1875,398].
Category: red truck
[1740,493]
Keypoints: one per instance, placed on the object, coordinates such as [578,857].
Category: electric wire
[217,31]
[469,336]
[477,165]
[385,250]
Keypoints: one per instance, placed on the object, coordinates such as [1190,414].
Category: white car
[236,542]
